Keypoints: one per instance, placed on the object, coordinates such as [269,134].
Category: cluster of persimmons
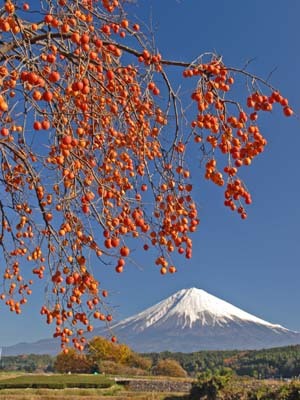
[93,152]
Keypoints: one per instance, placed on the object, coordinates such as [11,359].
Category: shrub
[72,362]
[137,361]
[169,367]
[113,368]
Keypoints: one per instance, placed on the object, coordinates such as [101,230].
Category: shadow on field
[177,397]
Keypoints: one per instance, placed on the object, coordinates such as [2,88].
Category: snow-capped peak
[194,306]
[196,301]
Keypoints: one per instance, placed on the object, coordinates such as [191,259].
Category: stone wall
[155,385]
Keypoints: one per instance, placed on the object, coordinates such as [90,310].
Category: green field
[56,381]
[14,386]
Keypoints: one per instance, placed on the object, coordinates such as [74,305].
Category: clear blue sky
[254,264]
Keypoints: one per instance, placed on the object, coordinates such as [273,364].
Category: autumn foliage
[72,362]
[169,367]
[93,151]
[102,355]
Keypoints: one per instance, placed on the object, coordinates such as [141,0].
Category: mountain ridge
[201,301]
[192,319]
[187,321]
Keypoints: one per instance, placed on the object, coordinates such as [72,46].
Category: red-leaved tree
[93,153]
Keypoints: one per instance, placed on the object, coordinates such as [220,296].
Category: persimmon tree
[94,147]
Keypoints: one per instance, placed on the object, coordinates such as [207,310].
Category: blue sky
[254,264]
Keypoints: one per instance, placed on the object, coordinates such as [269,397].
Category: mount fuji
[189,320]
[192,320]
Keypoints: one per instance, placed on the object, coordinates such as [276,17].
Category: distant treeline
[28,363]
[281,362]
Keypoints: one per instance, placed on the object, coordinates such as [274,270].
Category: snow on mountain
[193,306]
[192,320]
[189,320]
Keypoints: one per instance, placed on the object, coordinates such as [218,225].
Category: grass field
[56,381]
[113,393]
[22,386]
